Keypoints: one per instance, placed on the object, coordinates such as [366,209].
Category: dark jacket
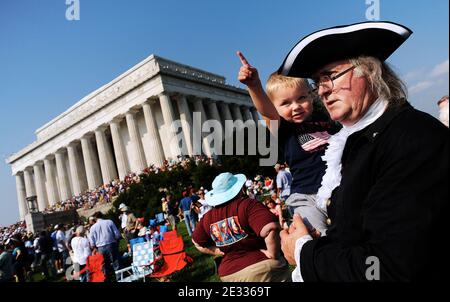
[45,244]
[391,203]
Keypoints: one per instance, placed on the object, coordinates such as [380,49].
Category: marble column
[186,122]
[29,182]
[255,115]
[226,114]
[41,191]
[91,163]
[63,177]
[157,151]
[107,166]
[198,107]
[170,129]
[236,112]
[212,106]
[120,152]
[21,196]
[52,187]
[139,162]
[247,114]
[75,169]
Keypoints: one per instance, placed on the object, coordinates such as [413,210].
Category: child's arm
[248,75]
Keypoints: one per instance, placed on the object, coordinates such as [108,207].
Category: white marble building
[119,128]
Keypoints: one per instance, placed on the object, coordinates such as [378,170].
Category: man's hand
[289,238]
[268,254]
[248,74]
[210,250]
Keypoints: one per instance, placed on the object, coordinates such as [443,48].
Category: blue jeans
[189,221]
[111,254]
[65,255]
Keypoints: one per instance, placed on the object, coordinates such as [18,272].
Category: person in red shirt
[243,231]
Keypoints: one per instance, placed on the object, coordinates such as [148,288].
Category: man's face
[443,105]
[294,104]
[350,98]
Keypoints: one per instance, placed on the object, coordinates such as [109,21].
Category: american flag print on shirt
[311,142]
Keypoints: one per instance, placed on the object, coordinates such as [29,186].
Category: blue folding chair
[160,218]
[136,241]
[143,263]
[162,230]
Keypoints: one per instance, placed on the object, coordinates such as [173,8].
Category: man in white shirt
[81,250]
[123,217]
[205,208]
[62,247]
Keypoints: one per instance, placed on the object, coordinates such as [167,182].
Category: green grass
[38,277]
[203,268]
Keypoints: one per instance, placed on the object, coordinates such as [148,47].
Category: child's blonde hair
[277,81]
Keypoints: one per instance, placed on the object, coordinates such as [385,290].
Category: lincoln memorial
[121,128]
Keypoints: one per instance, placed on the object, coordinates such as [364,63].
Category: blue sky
[48,63]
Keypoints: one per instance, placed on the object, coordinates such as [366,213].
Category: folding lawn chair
[136,240]
[163,229]
[170,235]
[142,266]
[173,255]
[160,218]
[95,267]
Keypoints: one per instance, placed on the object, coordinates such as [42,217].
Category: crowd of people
[192,206]
[54,250]
[107,192]
[350,185]
[51,251]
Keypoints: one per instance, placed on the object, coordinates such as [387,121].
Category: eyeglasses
[326,81]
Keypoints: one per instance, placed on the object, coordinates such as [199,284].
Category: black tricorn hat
[376,39]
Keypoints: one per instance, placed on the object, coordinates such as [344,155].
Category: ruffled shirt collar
[336,144]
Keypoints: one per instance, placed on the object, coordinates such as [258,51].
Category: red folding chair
[95,265]
[170,235]
[173,255]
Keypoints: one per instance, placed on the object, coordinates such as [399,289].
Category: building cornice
[121,85]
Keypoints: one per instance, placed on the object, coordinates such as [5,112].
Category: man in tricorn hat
[385,187]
